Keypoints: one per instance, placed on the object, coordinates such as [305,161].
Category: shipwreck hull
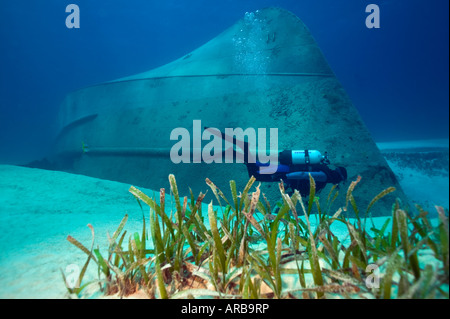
[266,71]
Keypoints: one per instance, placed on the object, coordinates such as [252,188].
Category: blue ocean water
[396,76]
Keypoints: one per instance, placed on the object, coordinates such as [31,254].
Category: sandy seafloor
[39,208]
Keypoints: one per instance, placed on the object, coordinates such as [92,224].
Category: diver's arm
[231,139]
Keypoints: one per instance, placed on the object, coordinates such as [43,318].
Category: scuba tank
[302,157]
[318,176]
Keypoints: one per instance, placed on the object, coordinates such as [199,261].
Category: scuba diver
[294,167]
